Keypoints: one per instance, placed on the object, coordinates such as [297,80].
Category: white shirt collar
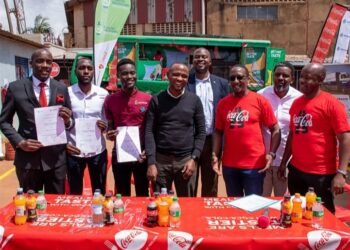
[36,81]
[76,89]
[176,97]
[207,79]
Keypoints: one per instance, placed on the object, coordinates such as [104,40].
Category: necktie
[42,95]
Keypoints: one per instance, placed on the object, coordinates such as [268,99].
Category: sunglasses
[239,78]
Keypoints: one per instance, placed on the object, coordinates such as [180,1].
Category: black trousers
[299,182]
[97,170]
[122,176]
[209,178]
[52,181]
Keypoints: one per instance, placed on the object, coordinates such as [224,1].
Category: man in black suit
[36,165]
[210,89]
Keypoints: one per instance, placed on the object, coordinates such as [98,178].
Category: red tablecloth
[206,223]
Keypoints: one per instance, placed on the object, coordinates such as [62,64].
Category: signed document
[88,135]
[128,144]
[50,127]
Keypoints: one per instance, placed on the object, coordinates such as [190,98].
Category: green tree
[41,25]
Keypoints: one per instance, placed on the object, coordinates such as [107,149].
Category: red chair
[342,213]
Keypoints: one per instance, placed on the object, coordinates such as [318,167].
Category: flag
[342,46]
[110,16]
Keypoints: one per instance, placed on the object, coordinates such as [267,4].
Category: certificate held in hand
[128,145]
[49,125]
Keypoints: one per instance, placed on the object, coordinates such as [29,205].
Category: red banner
[328,33]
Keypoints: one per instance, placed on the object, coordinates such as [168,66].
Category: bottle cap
[311,189]
[156,194]
[287,197]
[171,192]
[98,190]
[318,199]
[175,198]
[19,190]
[297,195]
[31,192]
[119,196]
[41,192]
[163,191]
[108,196]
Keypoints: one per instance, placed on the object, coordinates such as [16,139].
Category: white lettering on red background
[216,203]
[129,239]
[179,240]
[239,222]
[240,116]
[303,121]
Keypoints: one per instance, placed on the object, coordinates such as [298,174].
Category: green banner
[273,56]
[110,16]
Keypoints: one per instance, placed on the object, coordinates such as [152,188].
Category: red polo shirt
[126,110]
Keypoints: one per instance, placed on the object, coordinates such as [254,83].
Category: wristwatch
[344,173]
[195,158]
[273,155]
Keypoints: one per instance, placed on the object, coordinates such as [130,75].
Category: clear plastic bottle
[20,207]
[118,209]
[41,203]
[108,210]
[310,197]
[163,192]
[317,214]
[31,206]
[174,213]
[97,210]
[297,212]
[163,213]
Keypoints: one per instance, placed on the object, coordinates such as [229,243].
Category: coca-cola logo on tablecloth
[323,240]
[179,240]
[131,239]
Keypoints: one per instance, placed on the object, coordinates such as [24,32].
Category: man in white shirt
[87,102]
[281,96]
[210,89]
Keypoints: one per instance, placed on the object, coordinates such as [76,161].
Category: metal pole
[203,17]
[8,16]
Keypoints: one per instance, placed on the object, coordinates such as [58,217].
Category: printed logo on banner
[178,240]
[323,240]
[137,238]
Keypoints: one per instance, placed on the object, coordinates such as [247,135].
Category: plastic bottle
[152,213]
[97,210]
[174,213]
[31,206]
[317,214]
[41,203]
[163,213]
[163,192]
[310,197]
[108,210]
[20,207]
[118,209]
[297,212]
[286,211]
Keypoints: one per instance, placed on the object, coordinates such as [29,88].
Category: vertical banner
[255,61]
[273,56]
[329,30]
[342,45]
[110,16]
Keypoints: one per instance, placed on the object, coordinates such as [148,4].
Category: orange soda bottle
[108,210]
[20,208]
[286,211]
[163,213]
[31,206]
[310,197]
[297,211]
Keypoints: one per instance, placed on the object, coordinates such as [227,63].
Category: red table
[206,223]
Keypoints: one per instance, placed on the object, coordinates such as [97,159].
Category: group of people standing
[196,125]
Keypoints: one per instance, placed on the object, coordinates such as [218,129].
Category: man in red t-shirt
[318,121]
[239,119]
[128,107]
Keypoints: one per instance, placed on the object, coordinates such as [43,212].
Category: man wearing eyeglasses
[210,89]
[238,120]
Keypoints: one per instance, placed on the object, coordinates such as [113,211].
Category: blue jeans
[241,182]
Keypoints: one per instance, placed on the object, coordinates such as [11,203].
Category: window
[257,12]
